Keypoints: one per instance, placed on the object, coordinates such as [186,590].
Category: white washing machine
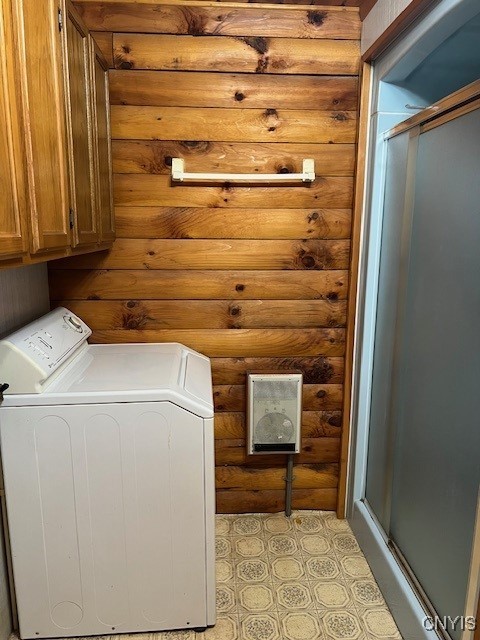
[108,465]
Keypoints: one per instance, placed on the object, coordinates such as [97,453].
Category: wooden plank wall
[256,277]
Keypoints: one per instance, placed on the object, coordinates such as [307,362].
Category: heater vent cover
[274,412]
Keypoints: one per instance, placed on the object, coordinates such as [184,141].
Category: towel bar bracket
[180,175]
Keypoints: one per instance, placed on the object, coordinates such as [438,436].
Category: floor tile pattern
[298,578]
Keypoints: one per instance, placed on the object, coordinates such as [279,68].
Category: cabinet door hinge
[71,218]
[60,20]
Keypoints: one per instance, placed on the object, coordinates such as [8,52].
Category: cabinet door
[102,144]
[42,80]
[79,126]
[12,202]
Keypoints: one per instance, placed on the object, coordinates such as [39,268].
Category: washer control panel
[40,348]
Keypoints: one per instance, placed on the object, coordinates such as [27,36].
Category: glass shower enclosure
[423,461]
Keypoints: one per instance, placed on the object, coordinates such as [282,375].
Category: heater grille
[274,413]
[275,390]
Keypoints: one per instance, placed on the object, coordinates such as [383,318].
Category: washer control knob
[73,323]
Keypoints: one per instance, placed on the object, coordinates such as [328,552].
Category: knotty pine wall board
[195,19]
[211,314]
[280,56]
[233,90]
[315,369]
[273,501]
[193,254]
[155,157]
[237,343]
[233,125]
[216,222]
[134,190]
[307,476]
[145,284]
[255,277]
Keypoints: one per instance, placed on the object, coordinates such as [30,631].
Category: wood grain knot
[259,44]
[195,21]
[317,18]
[134,321]
[308,261]
[320,373]
[262,65]
[335,421]
[280,64]
[202,146]
[120,63]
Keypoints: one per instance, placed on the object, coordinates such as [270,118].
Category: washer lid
[131,373]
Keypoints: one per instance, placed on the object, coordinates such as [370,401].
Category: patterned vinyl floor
[302,578]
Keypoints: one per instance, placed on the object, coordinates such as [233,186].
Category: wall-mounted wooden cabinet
[102,144]
[55,133]
[80,135]
[13,239]
[43,96]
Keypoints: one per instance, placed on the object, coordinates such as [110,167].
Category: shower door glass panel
[379,465]
[436,414]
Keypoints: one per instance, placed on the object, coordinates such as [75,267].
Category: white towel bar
[180,175]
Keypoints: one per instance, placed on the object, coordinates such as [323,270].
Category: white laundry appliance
[108,464]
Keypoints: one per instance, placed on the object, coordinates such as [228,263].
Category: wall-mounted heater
[274,404]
